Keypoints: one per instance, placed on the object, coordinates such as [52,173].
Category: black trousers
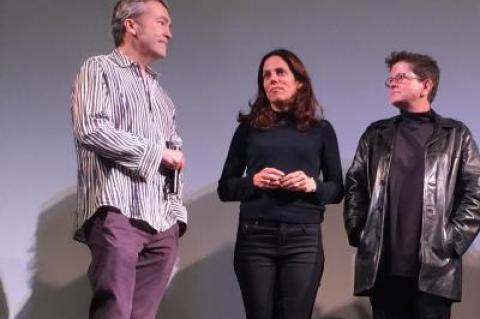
[399,298]
[278,267]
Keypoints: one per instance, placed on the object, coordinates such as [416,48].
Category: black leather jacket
[451,204]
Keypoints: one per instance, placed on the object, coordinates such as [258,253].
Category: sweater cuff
[319,191]
[249,189]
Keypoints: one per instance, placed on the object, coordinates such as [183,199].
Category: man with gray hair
[130,210]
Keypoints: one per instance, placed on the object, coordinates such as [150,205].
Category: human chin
[284,96]
[398,103]
[274,97]
[162,54]
[394,97]
[161,50]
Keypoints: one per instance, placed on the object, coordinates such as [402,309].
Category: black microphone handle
[176,177]
[176,173]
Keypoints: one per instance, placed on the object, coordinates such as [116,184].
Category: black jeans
[399,298]
[278,267]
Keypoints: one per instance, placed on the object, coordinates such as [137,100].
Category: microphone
[175,143]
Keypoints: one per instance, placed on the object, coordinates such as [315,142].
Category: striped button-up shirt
[122,121]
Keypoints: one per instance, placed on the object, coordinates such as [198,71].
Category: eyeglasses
[400,78]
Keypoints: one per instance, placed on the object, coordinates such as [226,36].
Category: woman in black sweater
[283,165]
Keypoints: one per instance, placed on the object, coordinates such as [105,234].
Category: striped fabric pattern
[121,122]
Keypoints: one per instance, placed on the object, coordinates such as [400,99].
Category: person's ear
[427,87]
[130,26]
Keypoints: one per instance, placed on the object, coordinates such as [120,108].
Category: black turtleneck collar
[284,117]
[417,117]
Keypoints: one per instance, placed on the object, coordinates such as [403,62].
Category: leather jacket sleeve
[357,194]
[465,219]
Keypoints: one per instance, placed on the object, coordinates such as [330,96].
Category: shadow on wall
[354,310]
[334,299]
[469,307]
[60,288]
[206,289]
[204,286]
[3,303]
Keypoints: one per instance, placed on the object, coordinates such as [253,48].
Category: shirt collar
[124,61]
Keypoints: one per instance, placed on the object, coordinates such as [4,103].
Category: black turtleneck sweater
[407,170]
[284,147]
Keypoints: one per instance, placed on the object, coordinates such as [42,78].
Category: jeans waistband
[261,222]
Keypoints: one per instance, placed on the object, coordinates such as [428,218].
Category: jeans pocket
[243,228]
[310,229]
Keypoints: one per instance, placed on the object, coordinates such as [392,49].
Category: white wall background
[210,74]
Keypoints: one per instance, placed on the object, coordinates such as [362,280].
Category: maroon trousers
[130,268]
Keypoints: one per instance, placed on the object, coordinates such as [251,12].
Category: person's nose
[393,84]
[168,33]
[273,78]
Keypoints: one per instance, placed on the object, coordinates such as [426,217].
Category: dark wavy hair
[424,66]
[306,110]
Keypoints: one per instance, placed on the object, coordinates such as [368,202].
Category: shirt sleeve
[465,219]
[176,202]
[234,185]
[330,187]
[178,208]
[357,194]
[94,128]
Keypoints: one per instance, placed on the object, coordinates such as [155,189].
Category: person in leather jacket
[412,201]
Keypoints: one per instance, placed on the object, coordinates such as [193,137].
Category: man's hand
[298,181]
[173,159]
[268,178]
